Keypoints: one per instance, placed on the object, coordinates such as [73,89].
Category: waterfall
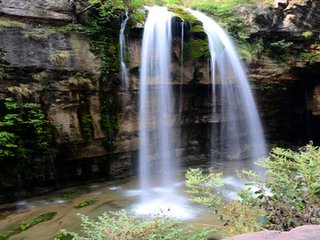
[122,41]
[157,161]
[156,99]
[238,132]
[232,100]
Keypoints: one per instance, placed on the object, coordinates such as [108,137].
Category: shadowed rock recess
[55,66]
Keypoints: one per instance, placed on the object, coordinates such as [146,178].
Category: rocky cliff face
[285,75]
[43,60]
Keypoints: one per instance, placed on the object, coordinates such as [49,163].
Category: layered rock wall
[58,69]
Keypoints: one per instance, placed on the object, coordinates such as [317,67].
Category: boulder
[308,232]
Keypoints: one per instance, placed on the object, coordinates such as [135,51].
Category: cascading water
[240,134]
[122,41]
[155,98]
[157,161]
[232,105]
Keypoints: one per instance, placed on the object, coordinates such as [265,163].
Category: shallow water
[115,195]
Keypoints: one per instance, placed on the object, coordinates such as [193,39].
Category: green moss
[74,193]
[71,27]
[197,29]
[69,195]
[42,218]
[109,122]
[101,24]
[8,23]
[26,225]
[63,236]
[45,32]
[196,49]
[40,34]
[86,126]
[136,17]
[85,203]
[8,234]
[183,15]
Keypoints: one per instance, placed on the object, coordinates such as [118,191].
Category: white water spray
[240,133]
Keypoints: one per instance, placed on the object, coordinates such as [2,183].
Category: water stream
[122,41]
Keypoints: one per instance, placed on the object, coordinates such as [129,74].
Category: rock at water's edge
[308,232]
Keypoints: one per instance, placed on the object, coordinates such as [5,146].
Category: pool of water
[115,195]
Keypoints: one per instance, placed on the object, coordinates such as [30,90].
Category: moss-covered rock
[184,15]
[196,49]
[137,18]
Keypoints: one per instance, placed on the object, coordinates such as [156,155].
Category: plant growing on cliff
[307,34]
[279,50]
[102,21]
[282,44]
[24,140]
[123,226]
[289,195]
[59,58]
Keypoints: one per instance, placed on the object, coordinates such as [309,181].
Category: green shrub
[287,197]
[293,178]
[123,226]
[238,216]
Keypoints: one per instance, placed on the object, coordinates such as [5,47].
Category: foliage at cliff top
[286,197]
[223,11]
[209,6]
